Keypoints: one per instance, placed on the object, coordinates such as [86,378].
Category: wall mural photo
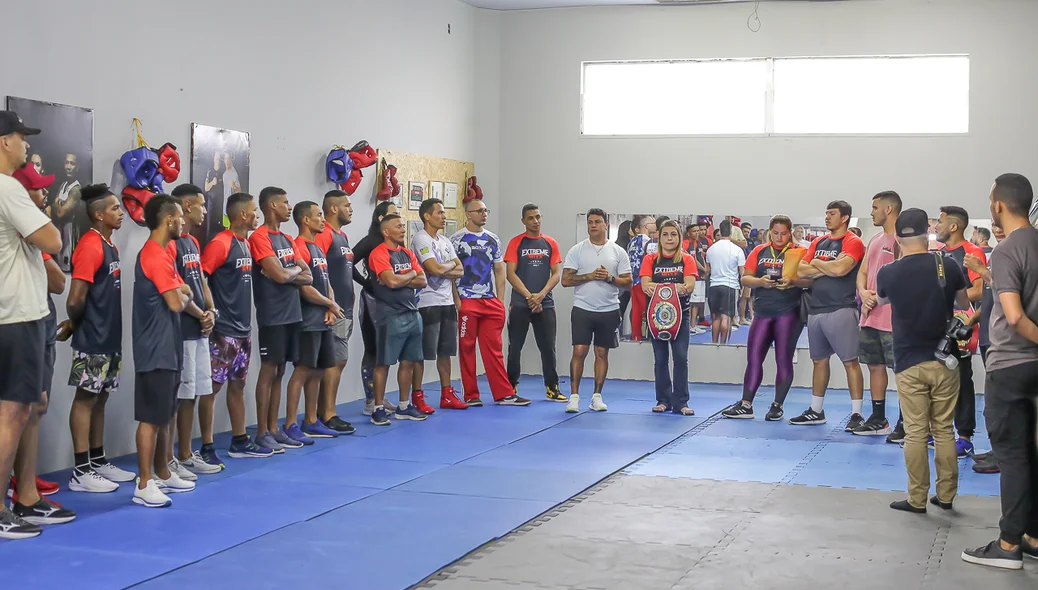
[220,167]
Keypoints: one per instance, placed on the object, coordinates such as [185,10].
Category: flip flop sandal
[686,411]
[660,408]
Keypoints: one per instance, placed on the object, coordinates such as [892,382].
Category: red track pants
[639,305]
[482,320]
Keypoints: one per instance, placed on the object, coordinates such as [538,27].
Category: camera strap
[942,280]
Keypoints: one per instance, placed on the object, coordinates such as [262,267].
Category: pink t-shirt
[882,250]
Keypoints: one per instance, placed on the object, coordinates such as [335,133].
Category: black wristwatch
[612,279]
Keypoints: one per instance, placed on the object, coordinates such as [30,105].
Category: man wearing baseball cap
[922,289]
[25,233]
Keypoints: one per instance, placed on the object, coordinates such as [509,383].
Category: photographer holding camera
[922,289]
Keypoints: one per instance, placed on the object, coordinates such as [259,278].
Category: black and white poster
[220,167]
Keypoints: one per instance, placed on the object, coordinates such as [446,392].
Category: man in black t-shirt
[534,265]
[922,289]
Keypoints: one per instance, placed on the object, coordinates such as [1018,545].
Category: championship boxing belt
[664,312]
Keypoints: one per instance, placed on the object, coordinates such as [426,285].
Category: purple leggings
[783,331]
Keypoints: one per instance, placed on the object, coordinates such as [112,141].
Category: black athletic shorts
[315,350]
[722,301]
[50,354]
[277,343]
[22,361]
[598,327]
[155,396]
[439,331]
[399,339]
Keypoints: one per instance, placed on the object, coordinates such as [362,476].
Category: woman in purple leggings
[776,303]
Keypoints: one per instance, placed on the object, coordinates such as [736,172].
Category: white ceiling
[532,4]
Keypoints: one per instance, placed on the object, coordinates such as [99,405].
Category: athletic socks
[856,405]
[238,439]
[879,409]
[403,405]
[97,457]
[82,463]
[816,402]
[367,377]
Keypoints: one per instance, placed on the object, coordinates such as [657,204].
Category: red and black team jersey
[336,248]
[276,305]
[400,261]
[666,270]
[833,293]
[157,342]
[533,258]
[227,261]
[766,261]
[188,261]
[96,261]
[312,255]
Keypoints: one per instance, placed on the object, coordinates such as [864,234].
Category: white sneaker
[574,404]
[182,472]
[735,328]
[197,465]
[369,407]
[173,485]
[597,404]
[151,496]
[112,473]
[91,481]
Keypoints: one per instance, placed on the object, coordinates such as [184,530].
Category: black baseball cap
[912,223]
[10,123]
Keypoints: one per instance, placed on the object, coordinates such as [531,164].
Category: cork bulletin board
[431,175]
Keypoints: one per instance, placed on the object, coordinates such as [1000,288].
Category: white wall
[305,78]
[543,159]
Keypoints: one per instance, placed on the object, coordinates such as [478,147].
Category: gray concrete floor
[633,532]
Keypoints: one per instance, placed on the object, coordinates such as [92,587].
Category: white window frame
[769,99]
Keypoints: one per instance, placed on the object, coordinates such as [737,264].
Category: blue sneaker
[411,413]
[286,441]
[929,443]
[248,450]
[380,417]
[318,430]
[268,441]
[963,448]
[293,432]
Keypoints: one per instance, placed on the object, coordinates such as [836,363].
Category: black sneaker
[981,457]
[775,413]
[43,512]
[942,505]
[513,400]
[738,410]
[873,427]
[1028,549]
[905,506]
[856,422]
[14,527]
[993,555]
[988,466]
[897,435]
[339,425]
[808,418]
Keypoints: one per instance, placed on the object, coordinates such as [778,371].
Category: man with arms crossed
[24,232]
[338,211]
[436,305]
[1011,389]
[95,315]
[227,261]
[921,289]
[597,269]
[277,275]
[832,321]
[398,327]
[876,342]
[534,265]
[196,323]
[481,294]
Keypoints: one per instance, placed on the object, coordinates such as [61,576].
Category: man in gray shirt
[1012,375]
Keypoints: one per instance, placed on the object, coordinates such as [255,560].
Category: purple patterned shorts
[230,357]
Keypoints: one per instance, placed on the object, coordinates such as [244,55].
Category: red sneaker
[449,400]
[46,488]
[418,399]
[12,492]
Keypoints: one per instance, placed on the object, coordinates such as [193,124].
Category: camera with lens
[948,348]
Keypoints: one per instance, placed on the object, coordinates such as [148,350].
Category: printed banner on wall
[220,167]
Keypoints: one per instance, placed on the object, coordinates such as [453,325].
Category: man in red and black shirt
[398,326]
[338,212]
[315,349]
[94,309]
[950,229]
[159,296]
[196,323]
[276,277]
[534,266]
[832,322]
[227,261]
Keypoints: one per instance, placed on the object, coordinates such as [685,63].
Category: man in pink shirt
[876,341]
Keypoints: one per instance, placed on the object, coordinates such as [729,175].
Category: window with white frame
[921,94]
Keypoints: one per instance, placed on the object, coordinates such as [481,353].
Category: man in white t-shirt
[25,232]
[597,269]
[436,305]
[726,261]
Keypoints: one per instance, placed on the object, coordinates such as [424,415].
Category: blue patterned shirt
[478,253]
